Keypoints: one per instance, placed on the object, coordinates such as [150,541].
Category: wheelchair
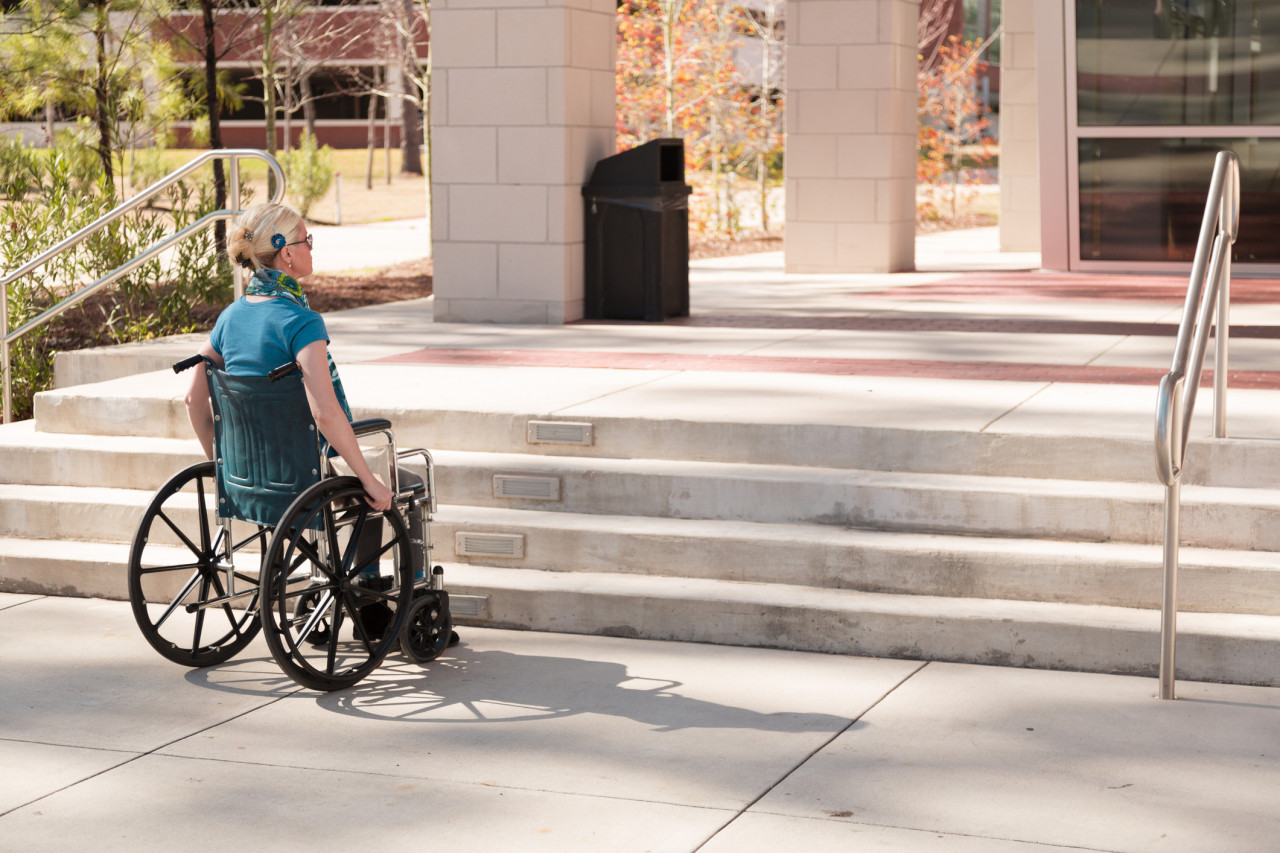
[271,536]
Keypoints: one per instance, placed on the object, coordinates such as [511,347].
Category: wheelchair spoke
[177,625]
[175,568]
[200,614]
[317,615]
[221,592]
[177,602]
[191,546]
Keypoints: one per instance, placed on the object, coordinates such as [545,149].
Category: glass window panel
[1143,199]
[1177,62]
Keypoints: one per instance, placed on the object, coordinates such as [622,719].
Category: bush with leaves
[309,173]
[161,297]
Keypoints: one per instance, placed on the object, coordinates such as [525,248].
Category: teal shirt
[255,338]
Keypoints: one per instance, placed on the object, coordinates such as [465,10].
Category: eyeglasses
[310,241]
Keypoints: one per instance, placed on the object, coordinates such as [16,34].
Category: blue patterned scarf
[276,283]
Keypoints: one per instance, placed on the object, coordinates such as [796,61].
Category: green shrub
[156,299]
[309,172]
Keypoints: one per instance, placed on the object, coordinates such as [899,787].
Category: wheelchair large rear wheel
[176,568]
[340,580]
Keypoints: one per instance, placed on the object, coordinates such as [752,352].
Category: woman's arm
[332,421]
[199,409]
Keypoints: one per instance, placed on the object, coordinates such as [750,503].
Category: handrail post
[237,278]
[1210,269]
[4,353]
[1169,599]
[1222,331]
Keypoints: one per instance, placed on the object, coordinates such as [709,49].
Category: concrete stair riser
[156,410]
[1218,647]
[872,561]
[1237,649]
[980,506]
[812,556]
[1211,517]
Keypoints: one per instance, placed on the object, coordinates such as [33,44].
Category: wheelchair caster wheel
[429,629]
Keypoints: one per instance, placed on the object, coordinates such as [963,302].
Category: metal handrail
[233,195]
[1210,286]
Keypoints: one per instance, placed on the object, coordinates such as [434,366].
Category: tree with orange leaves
[952,124]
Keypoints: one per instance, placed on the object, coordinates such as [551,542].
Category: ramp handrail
[1210,287]
[233,197]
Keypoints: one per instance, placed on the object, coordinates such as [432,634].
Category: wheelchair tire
[429,628]
[314,584]
[173,564]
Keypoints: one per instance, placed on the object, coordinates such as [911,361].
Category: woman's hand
[377,495]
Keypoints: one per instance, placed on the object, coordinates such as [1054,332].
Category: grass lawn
[404,197]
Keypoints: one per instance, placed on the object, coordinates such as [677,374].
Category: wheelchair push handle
[282,371]
[275,375]
[187,363]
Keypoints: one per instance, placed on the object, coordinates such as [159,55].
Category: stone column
[522,108]
[1019,132]
[851,135]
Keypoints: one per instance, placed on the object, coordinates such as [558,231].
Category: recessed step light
[559,432]
[508,545]
[469,606]
[527,487]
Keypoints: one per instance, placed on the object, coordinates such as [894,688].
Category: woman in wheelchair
[338,578]
[272,325]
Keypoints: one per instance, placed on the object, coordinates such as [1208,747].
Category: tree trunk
[213,103]
[410,138]
[308,105]
[373,134]
[102,94]
[269,85]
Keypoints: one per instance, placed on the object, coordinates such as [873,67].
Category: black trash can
[637,235]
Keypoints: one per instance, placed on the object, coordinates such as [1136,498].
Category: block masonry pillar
[522,108]
[1019,132]
[851,135]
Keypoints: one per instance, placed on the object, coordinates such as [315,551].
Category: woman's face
[295,258]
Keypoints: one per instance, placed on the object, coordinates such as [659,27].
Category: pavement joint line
[135,756]
[815,751]
[1015,407]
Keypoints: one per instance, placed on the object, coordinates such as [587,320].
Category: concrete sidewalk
[522,741]
[537,741]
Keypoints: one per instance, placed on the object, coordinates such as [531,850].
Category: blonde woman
[272,325]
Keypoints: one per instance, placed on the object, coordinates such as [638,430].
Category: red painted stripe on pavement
[920,368]
[1093,287]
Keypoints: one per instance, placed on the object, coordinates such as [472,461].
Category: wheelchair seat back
[266,444]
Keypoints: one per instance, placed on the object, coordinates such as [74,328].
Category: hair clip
[278,241]
[248,235]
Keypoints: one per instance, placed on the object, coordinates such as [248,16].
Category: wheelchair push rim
[327,621]
[179,580]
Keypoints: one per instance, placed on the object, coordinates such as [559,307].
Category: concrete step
[1212,517]
[151,406]
[63,459]
[1211,646]
[819,556]
[1215,517]
[1120,574]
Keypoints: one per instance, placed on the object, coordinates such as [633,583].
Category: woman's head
[270,236]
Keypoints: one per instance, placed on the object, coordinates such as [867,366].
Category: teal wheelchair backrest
[266,444]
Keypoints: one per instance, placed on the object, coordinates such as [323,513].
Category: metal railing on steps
[1209,289]
[234,155]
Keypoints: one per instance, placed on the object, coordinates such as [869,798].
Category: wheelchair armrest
[364,426]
